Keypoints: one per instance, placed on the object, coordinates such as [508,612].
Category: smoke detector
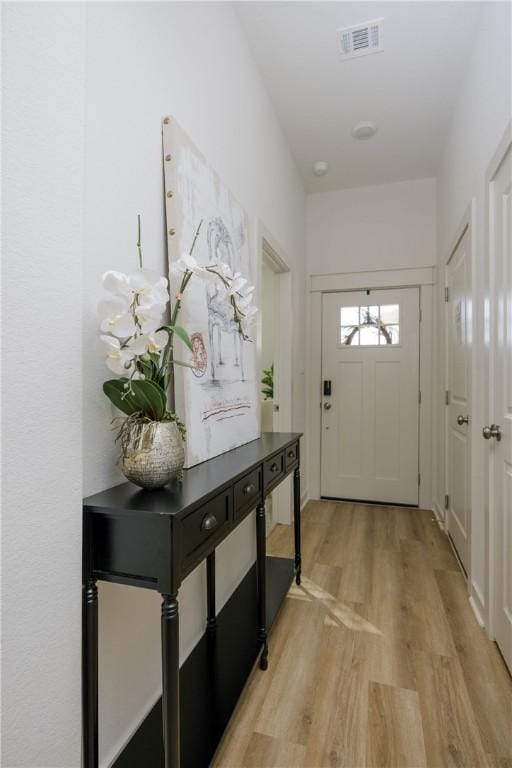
[360,39]
[364,130]
[320,168]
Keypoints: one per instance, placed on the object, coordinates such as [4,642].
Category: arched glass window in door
[370,326]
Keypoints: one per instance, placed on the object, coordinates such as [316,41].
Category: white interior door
[501,411]
[459,397]
[370,419]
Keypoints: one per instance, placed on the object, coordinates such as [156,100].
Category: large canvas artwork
[219,398]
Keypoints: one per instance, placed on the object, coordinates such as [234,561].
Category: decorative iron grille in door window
[370,326]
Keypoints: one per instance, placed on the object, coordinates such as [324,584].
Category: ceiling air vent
[360,39]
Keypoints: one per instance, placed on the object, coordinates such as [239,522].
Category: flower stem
[168,356]
[139,246]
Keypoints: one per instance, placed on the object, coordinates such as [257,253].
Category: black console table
[153,539]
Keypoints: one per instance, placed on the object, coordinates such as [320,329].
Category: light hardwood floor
[377,659]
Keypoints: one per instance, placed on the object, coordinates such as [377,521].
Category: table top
[199,483]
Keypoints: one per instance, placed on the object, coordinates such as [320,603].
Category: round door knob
[493,431]
[462,420]
[327,406]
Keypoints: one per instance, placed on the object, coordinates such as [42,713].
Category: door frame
[499,155]
[269,250]
[423,278]
[465,225]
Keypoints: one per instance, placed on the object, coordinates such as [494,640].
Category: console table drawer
[273,470]
[206,523]
[291,455]
[247,492]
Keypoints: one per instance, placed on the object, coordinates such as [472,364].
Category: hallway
[377,659]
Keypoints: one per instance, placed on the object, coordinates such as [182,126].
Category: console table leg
[296,524]
[261,546]
[90,674]
[211,616]
[171,681]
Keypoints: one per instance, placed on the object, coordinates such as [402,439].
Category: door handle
[462,420]
[493,431]
[327,406]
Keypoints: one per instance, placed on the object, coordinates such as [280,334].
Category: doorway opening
[276,361]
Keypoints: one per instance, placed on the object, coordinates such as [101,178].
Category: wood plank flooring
[376,660]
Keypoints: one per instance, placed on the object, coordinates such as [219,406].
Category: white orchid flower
[119,360]
[249,314]
[149,287]
[149,317]
[151,343]
[246,296]
[236,285]
[116,317]
[224,269]
[188,263]
[116,283]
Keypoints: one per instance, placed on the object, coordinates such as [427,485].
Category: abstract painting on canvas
[218,399]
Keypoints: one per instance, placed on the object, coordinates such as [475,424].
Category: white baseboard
[304,499]
[476,610]
[440,516]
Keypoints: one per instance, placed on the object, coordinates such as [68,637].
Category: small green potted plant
[268,383]
[138,346]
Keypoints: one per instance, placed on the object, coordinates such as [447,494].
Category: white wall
[127,65]
[144,61]
[480,118]
[42,145]
[382,227]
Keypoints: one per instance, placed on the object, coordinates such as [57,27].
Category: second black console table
[153,539]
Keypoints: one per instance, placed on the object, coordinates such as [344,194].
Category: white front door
[370,419]
[459,397]
[501,411]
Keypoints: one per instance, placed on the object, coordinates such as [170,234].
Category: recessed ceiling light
[364,130]
[320,168]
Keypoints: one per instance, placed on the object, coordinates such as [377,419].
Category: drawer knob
[209,522]
[291,454]
[274,467]
[249,488]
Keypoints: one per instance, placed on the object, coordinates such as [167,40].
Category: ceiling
[408,90]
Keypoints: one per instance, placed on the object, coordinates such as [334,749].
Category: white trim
[426,494]
[476,611]
[380,278]
[423,278]
[440,516]
[467,224]
[475,598]
[314,395]
[491,544]
[269,250]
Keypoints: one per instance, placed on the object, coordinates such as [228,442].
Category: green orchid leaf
[185,365]
[183,335]
[115,390]
[180,333]
[150,397]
